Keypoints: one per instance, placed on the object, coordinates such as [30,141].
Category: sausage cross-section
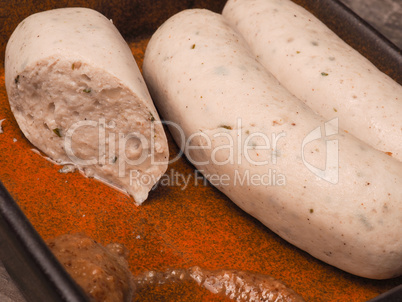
[78,96]
[315,185]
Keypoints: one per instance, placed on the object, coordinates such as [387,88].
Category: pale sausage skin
[203,77]
[319,68]
[78,96]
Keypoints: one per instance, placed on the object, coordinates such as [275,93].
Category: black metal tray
[41,277]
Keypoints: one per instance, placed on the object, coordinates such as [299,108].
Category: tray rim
[26,257]
[20,241]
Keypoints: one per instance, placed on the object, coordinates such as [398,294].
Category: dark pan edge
[42,278]
[30,263]
[359,34]
[393,295]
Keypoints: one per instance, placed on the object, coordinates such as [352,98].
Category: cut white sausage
[260,145]
[320,69]
[78,95]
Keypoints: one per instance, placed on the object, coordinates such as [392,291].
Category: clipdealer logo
[113,149]
[331,171]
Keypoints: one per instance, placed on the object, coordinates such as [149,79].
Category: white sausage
[78,95]
[232,112]
[322,70]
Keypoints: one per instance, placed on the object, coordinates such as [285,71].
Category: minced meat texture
[102,272]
